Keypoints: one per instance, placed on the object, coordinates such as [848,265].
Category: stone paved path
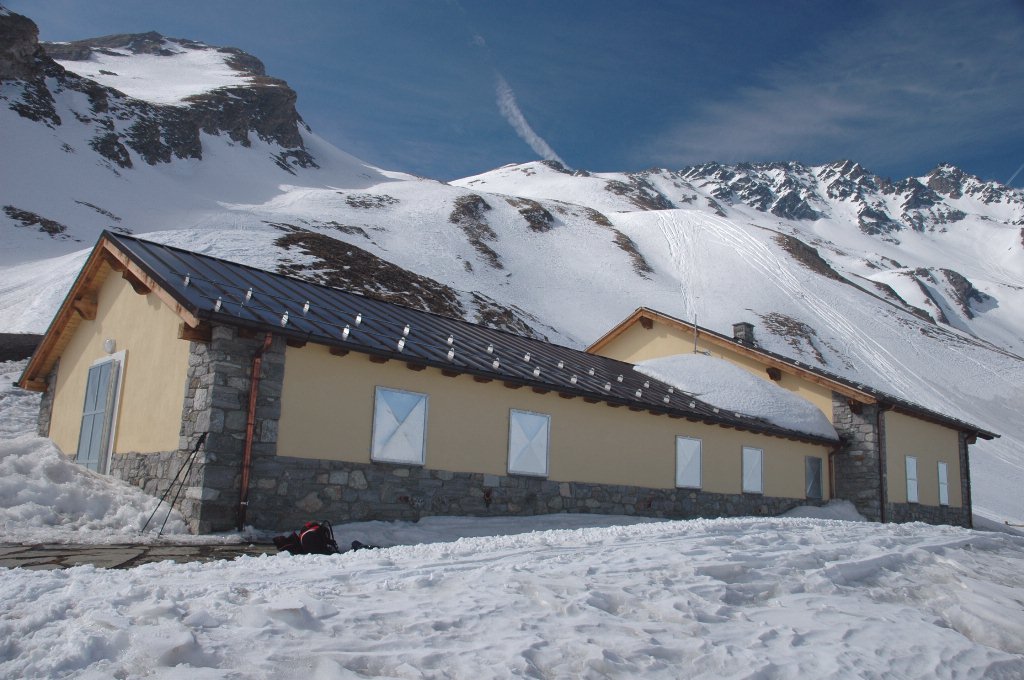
[121,556]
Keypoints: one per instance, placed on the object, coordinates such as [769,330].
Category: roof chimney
[743,333]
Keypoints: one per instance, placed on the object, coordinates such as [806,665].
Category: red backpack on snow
[315,538]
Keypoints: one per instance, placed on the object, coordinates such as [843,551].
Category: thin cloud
[510,110]
[907,83]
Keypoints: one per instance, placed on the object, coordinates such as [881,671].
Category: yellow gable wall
[153,379]
[638,344]
[930,444]
[327,413]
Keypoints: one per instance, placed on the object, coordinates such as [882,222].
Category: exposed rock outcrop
[127,129]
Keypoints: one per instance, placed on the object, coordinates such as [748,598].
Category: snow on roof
[160,79]
[729,387]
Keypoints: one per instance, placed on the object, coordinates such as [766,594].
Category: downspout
[250,428]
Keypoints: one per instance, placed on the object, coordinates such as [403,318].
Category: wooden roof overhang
[80,304]
[858,394]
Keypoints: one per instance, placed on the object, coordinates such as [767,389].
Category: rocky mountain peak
[129,126]
[19,46]
[947,179]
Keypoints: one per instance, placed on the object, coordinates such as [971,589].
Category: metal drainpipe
[250,428]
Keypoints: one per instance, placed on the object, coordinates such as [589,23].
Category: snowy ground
[561,596]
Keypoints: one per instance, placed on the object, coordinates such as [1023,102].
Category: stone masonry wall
[965,482]
[962,516]
[216,402]
[46,403]
[858,461]
[290,491]
[930,514]
[153,473]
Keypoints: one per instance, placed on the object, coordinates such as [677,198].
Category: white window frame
[749,454]
[682,466]
[943,471]
[913,495]
[376,454]
[115,408]
[513,469]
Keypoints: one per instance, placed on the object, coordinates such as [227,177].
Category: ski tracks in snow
[683,230]
[685,246]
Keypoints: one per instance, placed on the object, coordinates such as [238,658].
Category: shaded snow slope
[726,385]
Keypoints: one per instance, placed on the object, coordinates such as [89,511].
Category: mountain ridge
[861,275]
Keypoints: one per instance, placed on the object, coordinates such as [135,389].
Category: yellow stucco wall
[153,378]
[638,344]
[327,413]
[930,444]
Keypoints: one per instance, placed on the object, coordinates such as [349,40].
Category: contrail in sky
[1014,175]
[506,97]
[510,110]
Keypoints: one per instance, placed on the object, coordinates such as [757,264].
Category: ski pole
[188,462]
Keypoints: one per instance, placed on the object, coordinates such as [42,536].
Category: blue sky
[448,89]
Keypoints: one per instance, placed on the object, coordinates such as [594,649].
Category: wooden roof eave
[566,392]
[141,281]
[84,288]
[938,419]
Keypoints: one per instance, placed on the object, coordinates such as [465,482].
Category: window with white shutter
[912,479]
[753,470]
[399,427]
[688,462]
[528,435]
[943,484]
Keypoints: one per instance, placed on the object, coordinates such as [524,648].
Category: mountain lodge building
[305,401]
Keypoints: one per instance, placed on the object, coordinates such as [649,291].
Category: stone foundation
[153,473]
[930,514]
[286,492]
[46,402]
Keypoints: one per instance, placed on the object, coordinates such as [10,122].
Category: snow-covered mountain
[914,286]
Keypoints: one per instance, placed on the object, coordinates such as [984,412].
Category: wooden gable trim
[643,315]
[141,282]
[80,303]
[86,305]
[201,333]
[616,331]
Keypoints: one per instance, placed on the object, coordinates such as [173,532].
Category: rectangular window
[753,470]
[399,427]
[812,476]
[528,435]
[943,484]
[688,463]
[911,479]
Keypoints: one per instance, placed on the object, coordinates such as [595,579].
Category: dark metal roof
[229,293]
[883,397]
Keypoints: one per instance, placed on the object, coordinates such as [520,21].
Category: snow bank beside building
[45,498]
